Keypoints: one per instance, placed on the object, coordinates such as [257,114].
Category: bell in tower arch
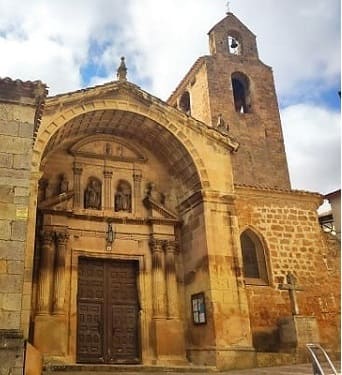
[234,46]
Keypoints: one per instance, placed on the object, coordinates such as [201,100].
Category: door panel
[107,330]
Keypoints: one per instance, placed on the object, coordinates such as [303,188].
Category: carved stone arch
[174,130]
[255,257]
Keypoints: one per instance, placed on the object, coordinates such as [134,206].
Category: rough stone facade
[20,106]
[137,233]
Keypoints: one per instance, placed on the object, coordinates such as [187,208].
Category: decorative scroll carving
[92,194]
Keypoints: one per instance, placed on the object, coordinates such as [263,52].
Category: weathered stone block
[5,229]
[21,162]
[7,210]
[18,230]
[21,191]
[6,160]
[14,145]
[11,283]
[9,127]
[9,319]
[6,193]
[12,302]
[15,267]
[26,130]
[11,250]
[3,266]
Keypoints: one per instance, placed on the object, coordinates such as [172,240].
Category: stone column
[77,185]
[108,174]
[59,275]
[171,281]
[137,177]
[47,255]
[158,279]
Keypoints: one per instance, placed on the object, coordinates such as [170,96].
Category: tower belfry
[240,87]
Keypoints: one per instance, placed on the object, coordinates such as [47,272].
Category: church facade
[137,231]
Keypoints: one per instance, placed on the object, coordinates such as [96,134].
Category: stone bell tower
[234,86]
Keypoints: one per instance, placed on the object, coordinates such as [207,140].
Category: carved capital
[77,169]
[47,237]
[156,245]
[107,174]
[62,237]
[171,246]
[137,176]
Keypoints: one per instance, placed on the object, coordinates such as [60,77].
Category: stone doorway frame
[142,319]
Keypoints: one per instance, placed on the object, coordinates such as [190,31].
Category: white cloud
[53,40]
[313,146]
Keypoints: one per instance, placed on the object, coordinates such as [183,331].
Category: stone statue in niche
[154,194]
[63,184]
[92,194]
[123,197]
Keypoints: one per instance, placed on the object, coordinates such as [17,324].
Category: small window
[184,103]
[254,259]
[241,93]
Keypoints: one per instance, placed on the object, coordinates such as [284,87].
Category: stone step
[80,369]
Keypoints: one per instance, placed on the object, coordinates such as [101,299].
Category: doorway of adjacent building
[107,311]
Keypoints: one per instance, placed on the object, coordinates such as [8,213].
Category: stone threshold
[49,368]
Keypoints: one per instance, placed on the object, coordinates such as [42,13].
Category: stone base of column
[169,342]
[50,334]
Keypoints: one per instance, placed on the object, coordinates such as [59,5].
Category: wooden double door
[107,311]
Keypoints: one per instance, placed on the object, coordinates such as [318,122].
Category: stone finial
[122,70]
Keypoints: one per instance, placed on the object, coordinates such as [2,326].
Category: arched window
[241,93]
[184,103]
[254,259]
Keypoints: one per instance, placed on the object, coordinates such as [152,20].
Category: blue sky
[78,43]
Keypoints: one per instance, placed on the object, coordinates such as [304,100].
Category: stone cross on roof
[292,287]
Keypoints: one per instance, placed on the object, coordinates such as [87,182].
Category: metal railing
[317,366]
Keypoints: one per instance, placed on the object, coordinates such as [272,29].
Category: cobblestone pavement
[302,369]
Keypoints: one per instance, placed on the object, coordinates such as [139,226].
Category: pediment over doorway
[107,147]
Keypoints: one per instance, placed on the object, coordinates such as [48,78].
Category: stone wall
[20,103]
[288,223]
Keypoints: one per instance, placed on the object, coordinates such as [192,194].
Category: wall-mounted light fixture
[110,236]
